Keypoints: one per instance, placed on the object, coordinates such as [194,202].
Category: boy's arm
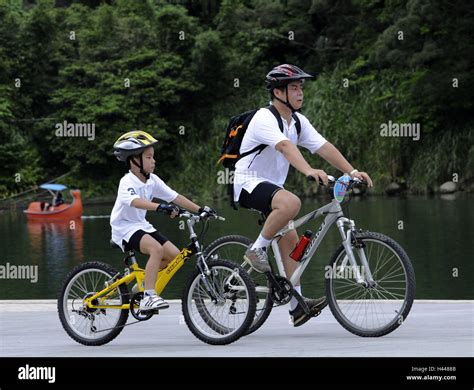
[180,200]
[185,203]
[143,204]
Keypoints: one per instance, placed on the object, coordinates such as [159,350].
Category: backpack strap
[297,123]
[277,115]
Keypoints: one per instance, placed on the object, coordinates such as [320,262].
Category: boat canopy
[53,187]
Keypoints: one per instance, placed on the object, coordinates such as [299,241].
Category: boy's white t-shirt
[125,219]
[271,165]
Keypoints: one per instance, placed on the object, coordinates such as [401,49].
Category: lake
[436,232]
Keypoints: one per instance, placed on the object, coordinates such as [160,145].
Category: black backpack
[236,129]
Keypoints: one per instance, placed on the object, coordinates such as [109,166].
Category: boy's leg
[169,253]
[149,246]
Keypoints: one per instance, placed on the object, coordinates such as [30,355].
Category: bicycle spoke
[372,307]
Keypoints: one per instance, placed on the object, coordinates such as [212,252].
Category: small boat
[57,210]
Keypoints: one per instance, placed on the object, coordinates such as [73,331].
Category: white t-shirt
[271,165]
[126,219]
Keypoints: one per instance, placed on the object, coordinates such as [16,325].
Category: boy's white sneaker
[153,302]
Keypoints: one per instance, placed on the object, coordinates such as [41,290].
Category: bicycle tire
[263,310]
[62,301]
[187,300]
[368,237]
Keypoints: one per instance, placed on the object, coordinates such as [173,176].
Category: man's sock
[261,242]
[294,301]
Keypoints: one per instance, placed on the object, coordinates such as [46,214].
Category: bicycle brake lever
[331,179]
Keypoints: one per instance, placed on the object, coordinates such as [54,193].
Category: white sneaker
[153,302]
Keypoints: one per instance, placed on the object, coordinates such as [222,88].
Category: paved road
[433,328]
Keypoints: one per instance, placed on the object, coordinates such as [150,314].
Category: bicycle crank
[281,289]
[135,308]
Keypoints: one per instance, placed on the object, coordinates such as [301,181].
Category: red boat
[57,210]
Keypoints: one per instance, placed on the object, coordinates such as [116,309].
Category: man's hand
[170,209]
[208,210]
[363,176]
[318,174]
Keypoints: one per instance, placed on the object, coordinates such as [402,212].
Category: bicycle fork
[347,238]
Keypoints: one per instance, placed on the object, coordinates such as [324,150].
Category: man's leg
[284,207]
[286,245]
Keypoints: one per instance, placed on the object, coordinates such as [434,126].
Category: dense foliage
[180,69]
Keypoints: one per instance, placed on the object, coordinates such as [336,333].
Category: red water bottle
[301,246]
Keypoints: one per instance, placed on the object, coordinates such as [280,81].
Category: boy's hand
[169,209]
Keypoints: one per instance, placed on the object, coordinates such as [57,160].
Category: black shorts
[134,242]
[260,198]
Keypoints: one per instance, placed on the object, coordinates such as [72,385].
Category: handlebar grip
[331,179]
[311,178]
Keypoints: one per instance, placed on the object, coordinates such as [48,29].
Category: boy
[130,229]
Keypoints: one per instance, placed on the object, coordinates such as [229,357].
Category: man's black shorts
[260,198]
[134,242]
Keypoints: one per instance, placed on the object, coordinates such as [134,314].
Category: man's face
[295,94]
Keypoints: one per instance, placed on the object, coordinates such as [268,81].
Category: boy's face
[295,94]
[148,160]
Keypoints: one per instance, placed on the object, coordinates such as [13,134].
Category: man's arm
[329,152]
[296,159]
[334,157]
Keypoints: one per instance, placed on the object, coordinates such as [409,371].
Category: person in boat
[57,200]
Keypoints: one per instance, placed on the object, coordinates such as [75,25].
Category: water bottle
[301,246]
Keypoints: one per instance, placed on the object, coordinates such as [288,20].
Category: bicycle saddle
[114,245]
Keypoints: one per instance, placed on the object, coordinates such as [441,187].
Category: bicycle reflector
[340,187]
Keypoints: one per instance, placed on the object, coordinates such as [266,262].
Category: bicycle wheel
[376,310]
[233,248]
[219,309]
[91,326]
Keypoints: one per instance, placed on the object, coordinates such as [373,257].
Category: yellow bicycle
[218,301]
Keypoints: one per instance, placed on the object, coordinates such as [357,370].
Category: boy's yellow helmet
[132,144]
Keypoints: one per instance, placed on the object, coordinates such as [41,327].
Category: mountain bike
[370,283]
[218,301]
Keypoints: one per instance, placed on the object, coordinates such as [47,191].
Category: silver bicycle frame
[333,212]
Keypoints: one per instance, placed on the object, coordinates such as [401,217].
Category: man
[259,177]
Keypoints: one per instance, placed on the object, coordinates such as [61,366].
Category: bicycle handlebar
[332,180]
[204,215]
